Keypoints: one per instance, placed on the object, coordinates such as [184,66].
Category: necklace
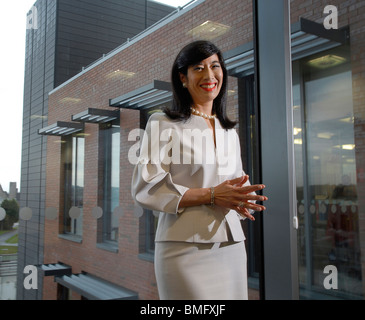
[201,114]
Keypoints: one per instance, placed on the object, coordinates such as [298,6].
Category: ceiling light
[298,141]
[209,30]
[38,117]
[327,61]
[348,146]
[120,74]
[70,100]
[325,135]
[296,131]
[348,120]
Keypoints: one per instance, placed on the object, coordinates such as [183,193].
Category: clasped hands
[232,194]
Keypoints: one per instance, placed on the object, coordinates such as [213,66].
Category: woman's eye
[198,68]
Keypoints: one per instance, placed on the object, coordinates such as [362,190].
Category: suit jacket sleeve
[152,185]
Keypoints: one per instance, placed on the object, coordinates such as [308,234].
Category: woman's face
[204,80]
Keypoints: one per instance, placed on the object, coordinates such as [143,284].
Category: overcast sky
[12,53]
[12,57]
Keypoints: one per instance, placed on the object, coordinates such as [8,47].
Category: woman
[190,170]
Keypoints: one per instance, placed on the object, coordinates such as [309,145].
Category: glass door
[329,249]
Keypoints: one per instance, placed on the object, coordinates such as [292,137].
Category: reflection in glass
[209,30]
[73,151]
[110,138]
[326,174]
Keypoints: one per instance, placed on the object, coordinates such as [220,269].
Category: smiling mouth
[209,86]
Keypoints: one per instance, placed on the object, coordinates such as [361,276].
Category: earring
[184,85]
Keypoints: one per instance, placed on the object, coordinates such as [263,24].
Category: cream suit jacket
[176,156]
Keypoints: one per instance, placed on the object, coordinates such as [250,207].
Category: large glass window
[110,168]
[148,226]
[328,87]
[249,135]
[73,152]
[327,188]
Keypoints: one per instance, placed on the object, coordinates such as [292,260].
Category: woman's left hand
[232,194]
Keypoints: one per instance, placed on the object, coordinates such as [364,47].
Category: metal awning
[148,96]
[94,288]
[307,38]
[93,115]
[55,269]
[240,61]
[61,128]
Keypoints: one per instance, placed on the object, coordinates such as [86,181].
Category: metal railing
[8,257]
[8,265]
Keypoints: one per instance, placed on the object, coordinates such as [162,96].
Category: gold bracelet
[212,196]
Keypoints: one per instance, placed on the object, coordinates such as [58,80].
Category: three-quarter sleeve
[152,184]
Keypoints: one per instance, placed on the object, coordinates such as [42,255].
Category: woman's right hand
[232,194]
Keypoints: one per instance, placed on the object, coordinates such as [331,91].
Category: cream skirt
[201,271]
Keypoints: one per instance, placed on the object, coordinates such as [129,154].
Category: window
[248,132]
[73,172]
[148,226]
[326,165]
[109,144]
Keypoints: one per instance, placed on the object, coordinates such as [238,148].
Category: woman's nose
[208,74]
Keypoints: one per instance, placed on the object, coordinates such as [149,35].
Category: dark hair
[191,54]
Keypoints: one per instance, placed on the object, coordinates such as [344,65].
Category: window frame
[105,199]
[72,153]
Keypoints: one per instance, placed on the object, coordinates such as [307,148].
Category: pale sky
[12,58]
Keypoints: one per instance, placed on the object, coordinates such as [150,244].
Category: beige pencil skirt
[201,271]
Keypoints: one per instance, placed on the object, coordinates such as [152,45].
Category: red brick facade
[149,59]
